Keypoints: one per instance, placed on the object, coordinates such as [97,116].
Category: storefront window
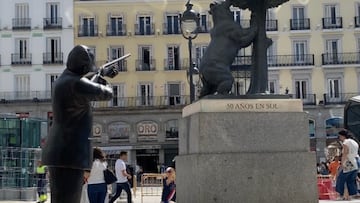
[172,129]
[147,130]
[119,131]
[311,128]
[333,126]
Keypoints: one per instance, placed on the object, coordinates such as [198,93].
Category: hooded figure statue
[68,151]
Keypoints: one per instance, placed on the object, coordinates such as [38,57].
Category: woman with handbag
[97,188]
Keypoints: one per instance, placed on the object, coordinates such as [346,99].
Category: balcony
[291,60]
[338,98]
[171,64]
[171,30]
[271,25]
[300,24]
[21,59]
[145,29]
[52,23]
[357,21]
[145,102]
[53,58]
[121,66]
[340,58]
[116,31]
[88,31]
[332,23]
[21,24]
[145,65]
[29,96]
[204,28]
[308,99]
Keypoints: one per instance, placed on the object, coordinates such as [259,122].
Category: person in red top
[334,166]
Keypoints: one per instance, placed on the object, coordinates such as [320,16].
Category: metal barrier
[151,185]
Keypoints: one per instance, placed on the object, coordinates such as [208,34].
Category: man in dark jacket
[67,152]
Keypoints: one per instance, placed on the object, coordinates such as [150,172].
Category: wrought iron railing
[21,59]
[300,24]
[171,29]
[120,30]
[87,31]
[144,101]
[332,23]
[21,23]
[27,96]
[337,98]
[172,64]
[308,99]
[291,60]
[340,58]
[148,29]
[271,25]
[52,23]
[121,66]
[53,58]
[145,65]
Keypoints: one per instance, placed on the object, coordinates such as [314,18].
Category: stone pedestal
[248,151]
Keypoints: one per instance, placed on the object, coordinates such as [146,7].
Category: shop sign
[147,128]
[119,130]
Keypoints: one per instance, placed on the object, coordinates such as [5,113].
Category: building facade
[36,37]
[314,57]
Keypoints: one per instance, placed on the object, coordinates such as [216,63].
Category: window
[271,22]
[146,63]
[144,26]
[301,89]
[334,89]
[52,13]
[145,94]
[237,16]
[173,58]
[116,27]
[273,86]
[331,17]
[88,27]
[172,24]
[174,93]
[93,50]
[332,50]
[357,17]
[199,52]
[172,129]
[240,86]
[22,19]
[117,52]
[118,95]
[298,21]
[22,87]
[50,79]
[333,126]
[53,50]
[204,26]
[271,54]
[300,51]
[311,128]
[119,130]
[21,48]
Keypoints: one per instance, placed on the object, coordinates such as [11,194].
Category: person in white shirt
[97,188]
[349,167]
[122,178]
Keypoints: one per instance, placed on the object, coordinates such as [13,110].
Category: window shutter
[182,92]
[166,94]
[138,95]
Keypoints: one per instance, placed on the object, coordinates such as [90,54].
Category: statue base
[251,151]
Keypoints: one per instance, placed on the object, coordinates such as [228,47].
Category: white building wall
[37,42]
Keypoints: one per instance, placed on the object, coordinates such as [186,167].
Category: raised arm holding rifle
[68,151]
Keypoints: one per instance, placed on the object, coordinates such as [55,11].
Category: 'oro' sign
[147,128]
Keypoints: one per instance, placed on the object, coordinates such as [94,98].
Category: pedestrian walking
[349,166]
[41,182]
[97,188]
[122,178]
[169,192]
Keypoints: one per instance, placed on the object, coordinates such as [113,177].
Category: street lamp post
[189,29]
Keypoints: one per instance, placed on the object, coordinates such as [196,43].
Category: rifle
[98,74]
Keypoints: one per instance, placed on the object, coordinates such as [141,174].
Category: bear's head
[80,60]
[220,11]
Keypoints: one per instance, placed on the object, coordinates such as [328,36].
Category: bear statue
[227,37]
